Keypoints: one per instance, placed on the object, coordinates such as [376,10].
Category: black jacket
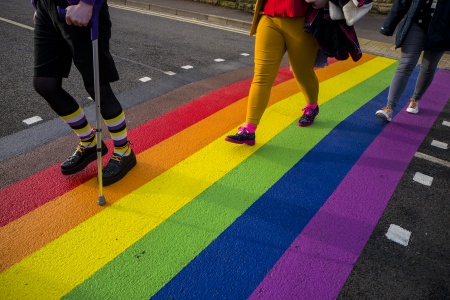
[438,35]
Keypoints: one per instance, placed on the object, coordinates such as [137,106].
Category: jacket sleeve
[396,14]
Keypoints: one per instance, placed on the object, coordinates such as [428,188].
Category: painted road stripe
[15,23]
[32,120]
[20,236]
[242,255]
[319,261]
[438,144]
[218,207]
[399,235]
[107,218]
[446,123]
[423,179]
[145,79]
[432,159]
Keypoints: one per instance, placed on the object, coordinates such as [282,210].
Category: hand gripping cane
[93,23]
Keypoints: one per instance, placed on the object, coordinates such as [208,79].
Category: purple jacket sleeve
[90,2]
[34,4]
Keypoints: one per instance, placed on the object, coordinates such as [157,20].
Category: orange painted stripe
[46,223]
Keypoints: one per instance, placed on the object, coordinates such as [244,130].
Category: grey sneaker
[413,107]
[385,113]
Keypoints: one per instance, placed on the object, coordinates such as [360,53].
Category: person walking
[57,42]
[280,28]
[425,30]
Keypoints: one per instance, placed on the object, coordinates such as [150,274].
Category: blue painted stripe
[236,262]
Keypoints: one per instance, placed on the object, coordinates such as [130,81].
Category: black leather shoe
[242,137]
[117,167]
[81,158]
[308,116]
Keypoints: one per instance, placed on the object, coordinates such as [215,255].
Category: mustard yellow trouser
[274,37]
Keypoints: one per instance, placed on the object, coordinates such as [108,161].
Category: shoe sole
[412,111]
[304,125]
[121,175]
[250,143]
[383,117]
[84,164]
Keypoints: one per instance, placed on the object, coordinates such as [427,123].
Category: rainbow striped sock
[79,124]
[118,130]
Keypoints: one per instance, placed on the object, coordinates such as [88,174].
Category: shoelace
[308,111]
[242,130]
[80,148]
[116,157]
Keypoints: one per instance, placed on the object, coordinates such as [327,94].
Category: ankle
[250,127]
[312,106]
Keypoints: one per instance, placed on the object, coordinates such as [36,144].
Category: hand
[79,15]
[317,4]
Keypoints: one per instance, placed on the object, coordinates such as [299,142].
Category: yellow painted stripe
[69,260]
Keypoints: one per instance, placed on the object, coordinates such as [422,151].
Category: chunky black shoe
[81,158]
[308,116]
[117,167]
[242,137]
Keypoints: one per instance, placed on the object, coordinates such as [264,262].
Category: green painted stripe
[145,267]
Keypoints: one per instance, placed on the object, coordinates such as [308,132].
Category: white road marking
[170,73]
[399,235]
[187,67]
[423,179]
[432,159]
[32,120]
[439,144]
[245,54]
[145,79]
[17,24]
[446,123]
[219,60]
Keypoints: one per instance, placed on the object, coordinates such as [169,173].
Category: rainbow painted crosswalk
[200,218]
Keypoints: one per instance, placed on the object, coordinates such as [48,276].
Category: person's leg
[114,118]
[52,62]
[270,47]
[269,50]
[123,158]
[410,52]
[428,66]
[411,49]
[302,49]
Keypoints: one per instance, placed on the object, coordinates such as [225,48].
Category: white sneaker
[385,113]
[413,107]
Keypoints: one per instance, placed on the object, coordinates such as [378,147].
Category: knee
[46,87]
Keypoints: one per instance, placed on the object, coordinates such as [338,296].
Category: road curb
[184,13]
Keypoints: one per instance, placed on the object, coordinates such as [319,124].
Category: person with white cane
[59,41]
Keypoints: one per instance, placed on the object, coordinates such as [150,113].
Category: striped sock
[118,130]
[79,124]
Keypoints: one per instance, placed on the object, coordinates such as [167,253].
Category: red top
[285,8]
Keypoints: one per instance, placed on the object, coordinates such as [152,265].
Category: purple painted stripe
[319,261]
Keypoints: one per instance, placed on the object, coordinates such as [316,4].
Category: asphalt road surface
[400,171]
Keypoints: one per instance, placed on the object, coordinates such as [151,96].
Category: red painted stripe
[36,190]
